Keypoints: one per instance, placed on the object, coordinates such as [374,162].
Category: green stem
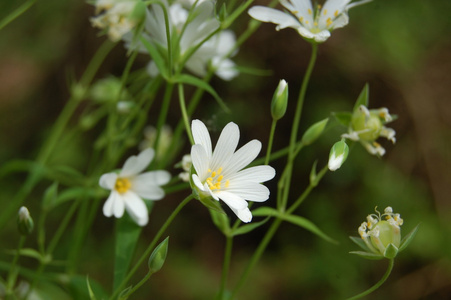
[377,285]
[225,266]
[15,14]
[296,121]
[12,275]
[270,142]
[184,113]
[151,245]
[163,113]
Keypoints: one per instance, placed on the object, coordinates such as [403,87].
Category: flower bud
[25,223]
[279,100]
[158,256]
[314,132]
[338,155]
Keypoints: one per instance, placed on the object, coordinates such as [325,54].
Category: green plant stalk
[296,121]
[378,284]
[151,245]
[16,13]
[163,113]
[137,286]
[12,274]
[184,113]
[225,266]
[270,142]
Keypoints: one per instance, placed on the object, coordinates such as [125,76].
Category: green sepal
[359,242]
[343,118]
[249,227]
[158,256]
[391,251]
[314,132]
[408,238]
[367,255]
[265,211]
[308,225]
[191,80]
[221,221]
[363,97]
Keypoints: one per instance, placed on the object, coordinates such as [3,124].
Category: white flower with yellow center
[311,23]
[220,173]
[128,187]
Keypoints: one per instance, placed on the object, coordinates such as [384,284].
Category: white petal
[244,214]
[147,189]
[250,191]
[232,200]
[159,177]
[136,164]
[241,158]
[107,181]
[225,68]
[201,136]
[136,208]
[198,183]
[321,36]
[266,14]
[114,205]
[254,174]
[227,142]
[200,161]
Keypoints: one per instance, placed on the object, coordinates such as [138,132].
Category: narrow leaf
[367,255]
[91,293]
[363,97]
[249,227]
[157,58]
[50,196]
[191,80]
[408,238]
[343,118]
[265,211]
[221,221]
[307,224]
[359,242]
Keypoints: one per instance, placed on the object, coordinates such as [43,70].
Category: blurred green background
[400,47]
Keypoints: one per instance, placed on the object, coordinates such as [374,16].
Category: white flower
[220,174]
[129,186]
[311,23]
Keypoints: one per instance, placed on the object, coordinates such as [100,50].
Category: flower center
[122,185]
[215,180]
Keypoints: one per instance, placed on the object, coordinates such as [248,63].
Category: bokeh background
[400,47]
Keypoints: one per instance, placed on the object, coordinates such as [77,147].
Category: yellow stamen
[329,21]
[309,11]
[306,22]
[122,185]
[336,13]
[325,12]
[227,183]
[301,19]
[215,180]
[315,23]
[294,12]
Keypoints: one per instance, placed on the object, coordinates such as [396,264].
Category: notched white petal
[136,208]
[136,164]
[107,181]
[201,136]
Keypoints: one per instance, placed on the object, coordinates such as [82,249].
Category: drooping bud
[25,223]
[338,155]
[279,100]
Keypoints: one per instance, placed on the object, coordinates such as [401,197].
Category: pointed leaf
[92,296]
[28,252]
[307,224]
[363,97]
[191,80]
[156,56]
[249,227]
[367,255]
[265,211]
[158,256]
[359,242]
[50,196]
[408,238]
[343,118]
[221,221]
[211,204]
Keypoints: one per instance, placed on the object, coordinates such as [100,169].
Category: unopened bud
[279,100]
[338,155]
[24,221]
[158,256]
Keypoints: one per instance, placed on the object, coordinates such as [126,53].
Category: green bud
[158,256]
[25,223]
[338,155]
[279,100]
[220,220]
[314,132]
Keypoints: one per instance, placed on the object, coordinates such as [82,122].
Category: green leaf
[363,97]
[127,235]
[408,238]
[254,71]
[343,118]
[314,132]
[156,56]
[158,256]
[211,203]
[313,175]
[72,194]
[391,251]
[264,211]
[92,296]
[221,221]
[367,255]
[28,252]
[249,227]
[50,196]
[124,294]
[359,242]
[191,80]
[307,224]
[15,166]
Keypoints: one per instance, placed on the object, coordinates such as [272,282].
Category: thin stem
[377,285]
[225,266]
[163,113]
[184,113]
[15,14]
[270,142]
[151,245]
[12,271]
